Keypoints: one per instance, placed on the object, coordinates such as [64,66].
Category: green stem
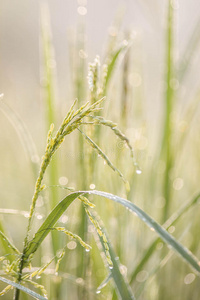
[49,72]
[167,143]
[21,266]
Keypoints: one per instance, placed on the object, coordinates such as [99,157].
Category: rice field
[99,155]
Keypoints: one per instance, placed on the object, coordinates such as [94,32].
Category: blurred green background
[80,31]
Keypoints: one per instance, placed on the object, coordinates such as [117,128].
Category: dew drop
[92,186]
[38,277]
[98,291]
[152,229]
[110,267]
[87,250]
[189,278]
[138,171]
[39,217]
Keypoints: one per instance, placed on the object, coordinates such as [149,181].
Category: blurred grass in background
[152,94]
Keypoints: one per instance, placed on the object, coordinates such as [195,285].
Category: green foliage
[119,257]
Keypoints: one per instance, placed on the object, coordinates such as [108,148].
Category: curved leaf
[171,221]
[122,287]
[23,288]
[64,204]
[52,218]
[164,235]
[112,63]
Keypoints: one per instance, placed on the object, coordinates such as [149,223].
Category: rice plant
[110,210]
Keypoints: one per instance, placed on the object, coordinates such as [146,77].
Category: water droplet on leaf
[110,267]
[138,171]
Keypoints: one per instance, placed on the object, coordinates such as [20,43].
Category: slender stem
[49,73]
[166,151]
[17,291]
[44,165]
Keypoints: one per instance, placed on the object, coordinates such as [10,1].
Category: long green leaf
[64,204]
[164,235]
[122,286]
[52,218]
[171,221]
[49,73]
[23,288]
[112,63]
[169,102]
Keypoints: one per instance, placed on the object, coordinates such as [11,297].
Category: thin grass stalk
[49,72]
[80,94]
[166,152]
[125,89]
[124,218]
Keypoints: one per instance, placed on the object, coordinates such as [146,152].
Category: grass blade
[161,231]
[49,74]
[23,288]
[123,288]
[171,221]
[166,151]
[52,218]
[152,224]
[9,243]
[113,61]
